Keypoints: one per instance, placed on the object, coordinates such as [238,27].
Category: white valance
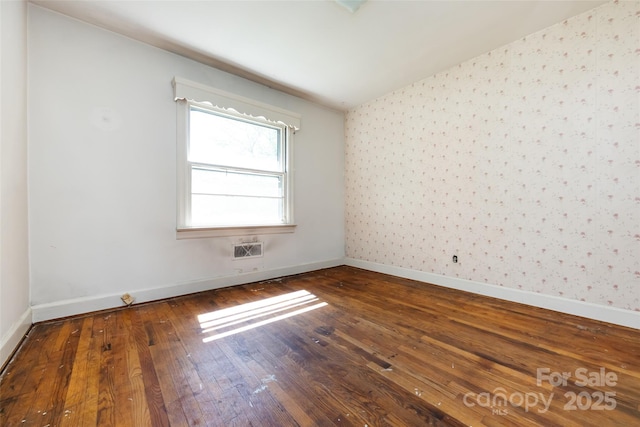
[191,91]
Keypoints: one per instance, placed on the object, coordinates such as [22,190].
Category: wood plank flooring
[340,346]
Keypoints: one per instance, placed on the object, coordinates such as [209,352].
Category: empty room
[319,213]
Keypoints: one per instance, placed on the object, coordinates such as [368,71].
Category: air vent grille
[247,250]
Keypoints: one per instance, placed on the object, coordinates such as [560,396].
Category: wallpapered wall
[525,162]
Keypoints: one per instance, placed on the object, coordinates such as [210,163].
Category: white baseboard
[71,307]
[43,312]
[603,313]
[9,342]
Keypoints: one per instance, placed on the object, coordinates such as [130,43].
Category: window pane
[209,210]
[225,141]
[235,183]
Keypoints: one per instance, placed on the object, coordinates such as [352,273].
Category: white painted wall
[103,202]
[15,314]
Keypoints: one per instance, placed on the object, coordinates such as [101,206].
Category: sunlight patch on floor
[247,315]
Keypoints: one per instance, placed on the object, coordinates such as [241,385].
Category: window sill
[199,233]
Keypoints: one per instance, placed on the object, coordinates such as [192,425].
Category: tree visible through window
[233,163]
[238,170]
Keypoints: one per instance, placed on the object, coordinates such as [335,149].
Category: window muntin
[236,170]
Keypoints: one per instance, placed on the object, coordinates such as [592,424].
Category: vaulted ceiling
[317,49]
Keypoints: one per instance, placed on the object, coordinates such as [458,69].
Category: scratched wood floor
[347,348]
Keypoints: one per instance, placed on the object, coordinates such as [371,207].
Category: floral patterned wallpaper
[525,162]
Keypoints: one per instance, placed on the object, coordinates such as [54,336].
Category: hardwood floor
[340,346]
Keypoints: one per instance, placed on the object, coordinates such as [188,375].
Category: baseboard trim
[9,343]
[602,313]
[72,307]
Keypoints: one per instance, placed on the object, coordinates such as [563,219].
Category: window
[237,170]
[234,162]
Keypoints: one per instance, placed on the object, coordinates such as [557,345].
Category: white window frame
[187,94]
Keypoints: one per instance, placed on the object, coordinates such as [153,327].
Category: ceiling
[317,49]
